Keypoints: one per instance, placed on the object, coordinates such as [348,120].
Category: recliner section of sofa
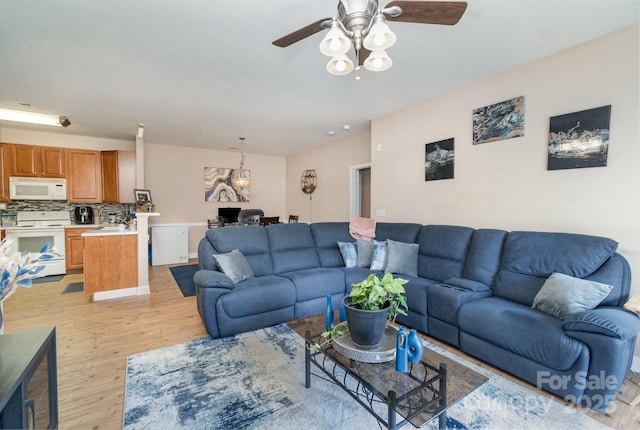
[474,290]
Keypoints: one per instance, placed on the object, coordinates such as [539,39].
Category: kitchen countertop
[106,230]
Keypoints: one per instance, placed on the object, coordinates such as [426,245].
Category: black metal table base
[382,406]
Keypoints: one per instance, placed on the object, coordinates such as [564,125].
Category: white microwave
[37,188]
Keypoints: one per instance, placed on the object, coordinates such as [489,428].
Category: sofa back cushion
[398,231]
[252,241]
[529,258]
[326,236]
[292,247]
[443,251]
[483,257]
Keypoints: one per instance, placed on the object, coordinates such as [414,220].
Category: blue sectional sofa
[484,291]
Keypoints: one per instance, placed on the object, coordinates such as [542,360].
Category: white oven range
[34,229]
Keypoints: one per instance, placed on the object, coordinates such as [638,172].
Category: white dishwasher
[169,245]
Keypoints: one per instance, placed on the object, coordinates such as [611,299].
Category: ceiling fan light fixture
[340,65]
[378,61]
[380,36]
[335,42]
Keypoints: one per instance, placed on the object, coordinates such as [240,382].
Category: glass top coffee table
[424,393]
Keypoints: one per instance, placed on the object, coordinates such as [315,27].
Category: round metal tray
[383,353]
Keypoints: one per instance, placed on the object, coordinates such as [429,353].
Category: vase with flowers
[18,268]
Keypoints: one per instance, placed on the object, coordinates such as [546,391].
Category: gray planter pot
[365,327]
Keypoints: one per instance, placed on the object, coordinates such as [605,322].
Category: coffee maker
[84,215]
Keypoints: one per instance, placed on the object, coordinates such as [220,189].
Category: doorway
[360,191]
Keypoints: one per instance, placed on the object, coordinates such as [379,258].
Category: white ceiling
[204,72]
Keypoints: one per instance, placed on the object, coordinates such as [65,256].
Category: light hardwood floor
[95,338]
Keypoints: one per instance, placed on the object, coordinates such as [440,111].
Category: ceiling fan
[361,24]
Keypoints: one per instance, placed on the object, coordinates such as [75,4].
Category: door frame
[355,191]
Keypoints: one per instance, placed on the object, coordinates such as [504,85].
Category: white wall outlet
[379,147]
[379,212]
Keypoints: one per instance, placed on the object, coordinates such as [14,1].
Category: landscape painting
[499,121]
[579,139]
[439,158]
[219,188]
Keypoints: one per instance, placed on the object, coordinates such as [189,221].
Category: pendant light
[241,178]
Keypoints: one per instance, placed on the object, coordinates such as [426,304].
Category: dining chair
[293,218]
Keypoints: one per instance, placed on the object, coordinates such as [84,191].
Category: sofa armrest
[607,321]
[467,284]
[212,279]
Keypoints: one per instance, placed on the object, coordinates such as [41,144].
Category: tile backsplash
[121,210]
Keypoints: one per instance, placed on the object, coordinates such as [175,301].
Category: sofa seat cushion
[258,295]
[313,283]
[519,329]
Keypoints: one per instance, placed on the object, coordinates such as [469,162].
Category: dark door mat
[50,278]
[74,287]
[184,277]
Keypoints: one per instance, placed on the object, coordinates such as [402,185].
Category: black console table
[28,380]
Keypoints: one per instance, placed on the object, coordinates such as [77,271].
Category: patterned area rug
[256,381]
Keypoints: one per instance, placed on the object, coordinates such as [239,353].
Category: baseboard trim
[123,292]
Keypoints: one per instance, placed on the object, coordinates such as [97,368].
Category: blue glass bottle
[328,314]
[343,312]
[401,350]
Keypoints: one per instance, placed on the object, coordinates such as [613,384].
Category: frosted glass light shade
[380,36]
[335,42]
[378,61]
[340,65]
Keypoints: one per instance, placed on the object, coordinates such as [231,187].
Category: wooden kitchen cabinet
[110,262]
[38,161]
[118,176]
[84,182]
[5,171]
[74,248]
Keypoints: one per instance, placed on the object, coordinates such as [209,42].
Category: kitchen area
[82,203]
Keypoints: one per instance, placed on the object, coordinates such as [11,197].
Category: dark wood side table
[28,380]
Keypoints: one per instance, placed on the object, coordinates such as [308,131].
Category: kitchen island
[116,262]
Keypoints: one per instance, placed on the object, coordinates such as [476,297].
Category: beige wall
[505,184]
[175,176]
[331,161]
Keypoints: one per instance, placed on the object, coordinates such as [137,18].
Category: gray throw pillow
[563,295]
[234,265]
[402,258]
[365,252]
[379,257]
[349,253]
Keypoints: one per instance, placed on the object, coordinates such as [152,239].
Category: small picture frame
[142,196]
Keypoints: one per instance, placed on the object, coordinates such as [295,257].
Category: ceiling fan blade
[429,12]
[302,33]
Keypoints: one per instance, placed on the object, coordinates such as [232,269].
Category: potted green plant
[372,303]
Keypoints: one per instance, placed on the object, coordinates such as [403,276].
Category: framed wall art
[504,120]
[219,188]
[439,159]
[579,139]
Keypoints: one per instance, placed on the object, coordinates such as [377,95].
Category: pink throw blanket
[362,228]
